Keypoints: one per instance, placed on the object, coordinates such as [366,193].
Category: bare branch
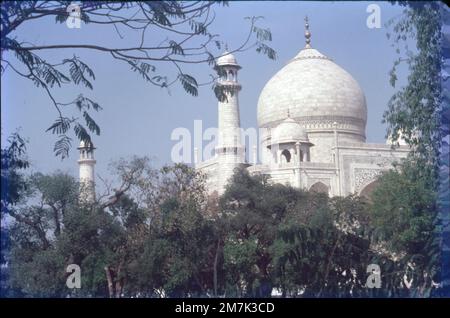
[180,24]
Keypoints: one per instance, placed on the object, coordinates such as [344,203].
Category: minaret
[229,151]
[87,176]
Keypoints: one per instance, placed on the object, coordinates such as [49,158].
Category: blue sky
[138,118]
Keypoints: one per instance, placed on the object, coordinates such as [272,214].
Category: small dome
[289,131]
[227,59]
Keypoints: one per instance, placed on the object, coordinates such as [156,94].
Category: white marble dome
[313,88]
[289,131]
[227,59]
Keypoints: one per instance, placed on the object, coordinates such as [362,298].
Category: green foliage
[159,235]
[113,241]
[404,218]
[78,71]
[267,50]
[320,250]
[13,188]
[413,110]
[13,160]
[252,212]
[404,208]
[189,84]
[302,243]
[43,277]
[46,75]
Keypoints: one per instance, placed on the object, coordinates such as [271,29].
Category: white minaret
[87,176]
[229,150]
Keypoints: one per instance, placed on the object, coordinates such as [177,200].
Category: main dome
[313,89]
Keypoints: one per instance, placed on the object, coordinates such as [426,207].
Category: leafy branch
[187,39]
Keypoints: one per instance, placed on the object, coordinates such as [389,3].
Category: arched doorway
[368,189]
[319,187]
[285,156]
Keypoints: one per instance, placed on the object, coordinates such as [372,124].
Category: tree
[322,249]
[123,228]
[13,161]
[13,188]
[303,243]
[251,210]
[184,35]
[34,260]
[414,110]
[179,250]
[150,238]
[158,235]
[404,219]
[54,195]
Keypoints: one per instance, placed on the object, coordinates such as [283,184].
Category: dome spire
[307,34]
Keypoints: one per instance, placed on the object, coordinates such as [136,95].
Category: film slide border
[444,158]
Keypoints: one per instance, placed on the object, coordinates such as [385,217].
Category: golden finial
[307,34]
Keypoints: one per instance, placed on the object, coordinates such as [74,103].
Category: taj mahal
[312,118]
[312,115]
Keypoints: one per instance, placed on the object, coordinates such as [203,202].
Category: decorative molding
[363,176]
[230,150]
[328,123]
[311,57]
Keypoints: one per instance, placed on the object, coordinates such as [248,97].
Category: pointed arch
[368,189]
[286,156]
[231,75]
[319,187]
